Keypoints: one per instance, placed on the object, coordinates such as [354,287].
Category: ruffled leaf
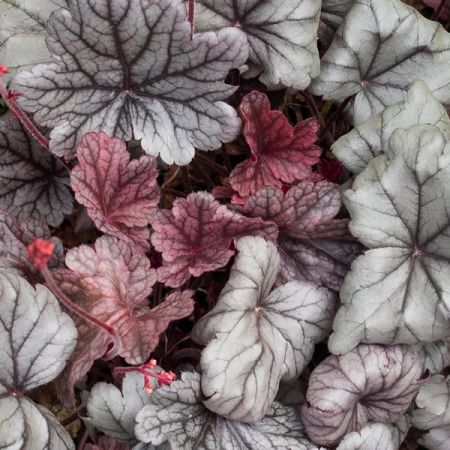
[22,32]
[256,338]
[379,50]
[281,36]
[113,284]
[436,356]
[433,404]
[370,383]
[120,195]
[396,292]
[280,152]
[196,235]
[376,436]
[37,339]
[33,184]
[155,84]
[176,414]
[113,412]
[370,139]
[314,246]
[436,439]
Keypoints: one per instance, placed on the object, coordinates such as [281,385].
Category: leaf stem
[339,110]
[53,285]
[438,10]
[191,15]
[26,122]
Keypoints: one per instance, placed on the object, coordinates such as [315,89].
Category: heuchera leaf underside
[379,50]
[120,195]
[370,383]
[397,292]
[33,184]
[280,152]
[176,414]
[256,337]
[114,284]
[154,84]
[196,236]
[37,339]
[282,36]
[313,245]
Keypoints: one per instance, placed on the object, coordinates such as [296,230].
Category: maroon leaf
[370,383]
[113,284]
[314,246]
[280,152]
[120,195]
[195,236]
[107,443]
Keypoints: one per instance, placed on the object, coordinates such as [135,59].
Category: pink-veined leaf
[120,195]
[314,246]
[280,152]
[196,235]
[33,184]
[113,283]
[130,68]
[370,383]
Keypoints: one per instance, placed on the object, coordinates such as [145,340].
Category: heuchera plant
[289,289]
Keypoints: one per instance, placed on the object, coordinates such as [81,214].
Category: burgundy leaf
[120,195]
[280,152]
[330,170]
[444,11]
[314,246]
[196,235]
[107,443]
[113,283]
[370,383]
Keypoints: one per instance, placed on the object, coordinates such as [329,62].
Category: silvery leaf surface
[257,337]
[22,32]
[379,50]
[370,138]
[129,68]
[282,36]
[398,291]
[176,415]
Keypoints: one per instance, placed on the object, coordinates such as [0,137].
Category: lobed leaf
[432,404]
[120,195]
[397,291]
[331,17]
[113,412]
[313,245]
[33,184]
[153,84]
[37,340]
[379,50]
[282,36]
[370,383]
[196,236]
[280,152]
[257,337]
[22,32]
[436,439]
[176,414]
[113,284]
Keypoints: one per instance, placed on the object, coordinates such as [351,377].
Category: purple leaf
[280,152]
[257,336]
[282,36]
[370,383]
[314,246]
[33,184]
[120,195]
[107,443]
[114,283]
[195,237]
[152,84]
